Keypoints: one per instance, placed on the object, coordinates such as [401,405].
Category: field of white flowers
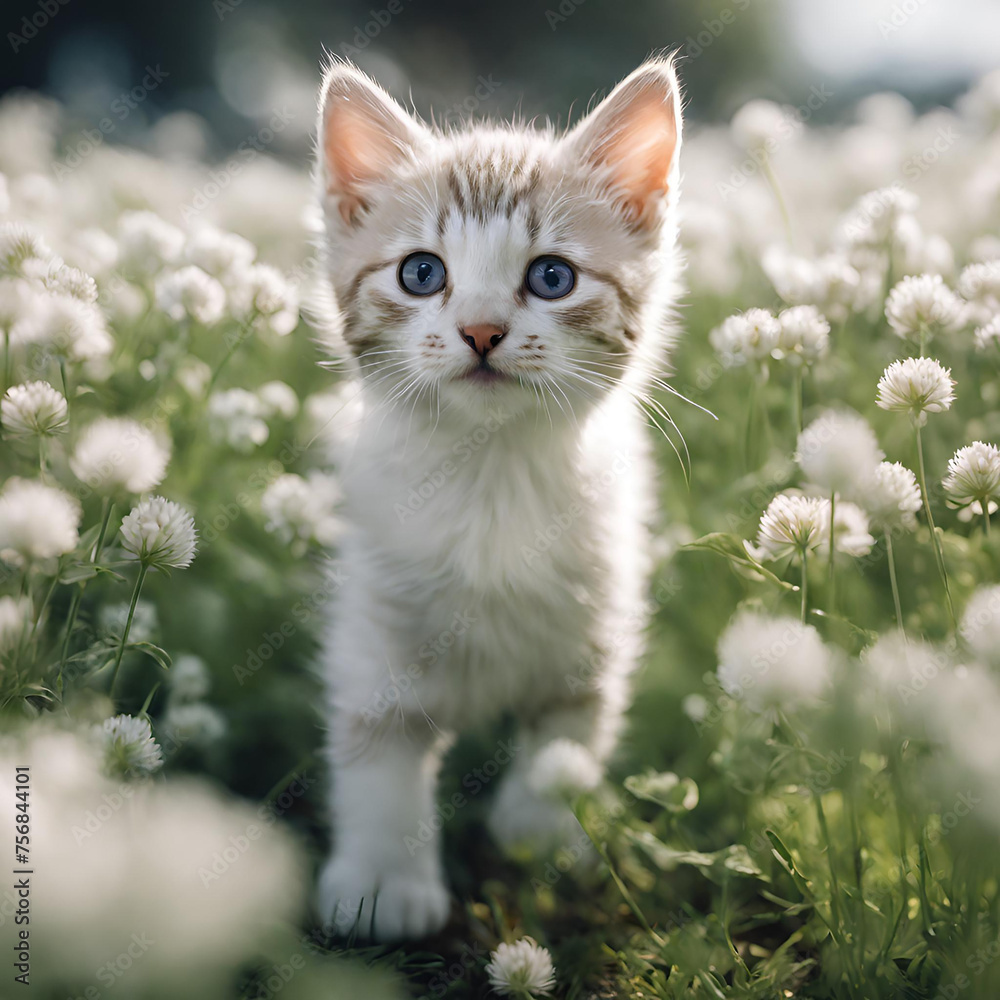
[807,803]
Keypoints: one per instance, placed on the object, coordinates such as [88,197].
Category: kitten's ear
[363,134]
[633,137]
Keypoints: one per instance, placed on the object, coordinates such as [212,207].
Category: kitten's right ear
[363,134]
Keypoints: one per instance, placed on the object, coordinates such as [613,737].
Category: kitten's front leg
[384,876]
[527,813]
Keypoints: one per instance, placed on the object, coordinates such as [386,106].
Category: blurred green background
[228,65]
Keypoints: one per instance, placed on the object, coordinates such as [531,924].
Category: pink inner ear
[639,151]
[357,148]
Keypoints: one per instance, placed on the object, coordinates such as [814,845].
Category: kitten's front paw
[406,904]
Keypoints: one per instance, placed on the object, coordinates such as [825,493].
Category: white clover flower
[16,616]
[20,243]
[302,510]
[903,666]
[68,325]
[36,521]
[118,454]
[772,662]
[194,375]
[94,251]
[979,284]
[188,679]
[917,386]
[279,400]
[758,123]
[129,748]
[791,525]
[696,707]
[22,306]
[263,291]
[65,280]
[916,253]
[980,627]
[850,530]
[147,243]
[522,969]
[194,724]
[33,408]
[218,253]
[236,416]
[564,768]
[872,220]
[749,336]
[987,336]
[839,452]
[923,305]
[160,533]
[190,293]
[804,335]
[974,476]
[894,497]
[112,619]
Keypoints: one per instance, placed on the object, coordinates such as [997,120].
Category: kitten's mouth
[484,375]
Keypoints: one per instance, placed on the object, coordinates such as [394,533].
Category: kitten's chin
[480,392]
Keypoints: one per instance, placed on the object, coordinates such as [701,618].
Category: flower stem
[107,509]
[143,568]
[797,400]
[935,541]
[751,414]
[804,587]
[832,564]
[244,334]
[772,180]
[892,579]
[986,516]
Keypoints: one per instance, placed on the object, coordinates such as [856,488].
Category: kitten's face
[498,267]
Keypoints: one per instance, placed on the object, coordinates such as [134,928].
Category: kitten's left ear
[363,135]
[633,136]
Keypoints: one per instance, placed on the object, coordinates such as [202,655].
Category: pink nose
[482,337]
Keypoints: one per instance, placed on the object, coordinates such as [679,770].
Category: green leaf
[78,573]
[665,789]
[160,655]
[732,548]
[668,858]
[784,856]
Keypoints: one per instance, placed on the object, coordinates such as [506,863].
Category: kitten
[503,296]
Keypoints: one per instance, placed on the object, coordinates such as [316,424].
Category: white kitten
[502,294]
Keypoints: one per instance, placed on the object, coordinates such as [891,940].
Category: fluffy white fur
[497,552]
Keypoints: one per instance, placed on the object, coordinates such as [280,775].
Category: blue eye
[550,278]
[422,274]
